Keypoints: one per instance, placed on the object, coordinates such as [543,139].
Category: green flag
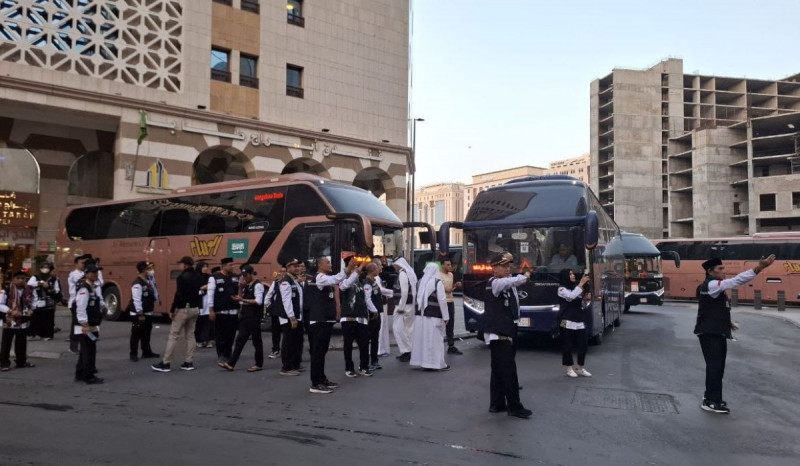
[142,127]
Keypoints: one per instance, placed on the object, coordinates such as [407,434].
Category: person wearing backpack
[356,307]
[432,316]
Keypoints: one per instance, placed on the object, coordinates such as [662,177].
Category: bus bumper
[541,320]
[649,297]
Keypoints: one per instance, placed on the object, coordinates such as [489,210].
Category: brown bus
[260,222]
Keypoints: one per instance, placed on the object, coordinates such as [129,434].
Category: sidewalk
[791,315]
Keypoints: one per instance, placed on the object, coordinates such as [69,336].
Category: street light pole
[413,179]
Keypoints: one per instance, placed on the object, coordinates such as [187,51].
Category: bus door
[159,253]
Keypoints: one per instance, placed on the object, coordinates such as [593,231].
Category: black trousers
[43,322]
[276,333]
[73,337]
[374,333]
[503,385]
[320,338]
[140,334]
[249,327]
[20,338]
[226,326]
[573,340]
[292,346]
[307,329]
[715,350]
[86,368]
[204,330]
[353,331]
[449,328]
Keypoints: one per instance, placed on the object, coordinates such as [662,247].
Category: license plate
[643,300]
[525,322]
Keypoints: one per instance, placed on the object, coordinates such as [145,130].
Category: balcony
[251,5]
[296,20]
[220,75]
[248,81]
[685,189]
[742,182]
[224,2]
[294,91]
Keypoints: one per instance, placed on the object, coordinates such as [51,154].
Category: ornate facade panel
[136,42]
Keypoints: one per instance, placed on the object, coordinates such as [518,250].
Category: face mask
[151,273]
[45,270]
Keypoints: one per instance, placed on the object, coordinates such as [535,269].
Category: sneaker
[522,413]
[321,389]
[187,366]
[445,368]
[160,367]
[366,372]
[714,407]
[291,373]
[274,355]
[454,350]
[383,355]
[405,357]
[330,384]
[93,381]
[209,345]
[571,373]
[350,374]
[200,345]
[48,338]
[376,366]
[301,368]
[24,365]
[583,372]
[498,409]
[134,358]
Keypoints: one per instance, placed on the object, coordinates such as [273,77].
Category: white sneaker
[583,372]
[571,373]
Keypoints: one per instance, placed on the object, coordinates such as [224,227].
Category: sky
[506,83]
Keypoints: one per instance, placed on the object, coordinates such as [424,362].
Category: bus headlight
[474,305]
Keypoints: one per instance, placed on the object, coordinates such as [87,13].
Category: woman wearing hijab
[432,317]
[204,330]
[571,319]
[405,293]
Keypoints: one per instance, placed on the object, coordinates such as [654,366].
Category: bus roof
[764,236]
[636,245]
[252,182]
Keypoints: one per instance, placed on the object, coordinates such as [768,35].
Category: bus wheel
[111,298]
[617,322]
[627,307]
[597,340]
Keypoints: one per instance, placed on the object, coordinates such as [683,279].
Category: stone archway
[19,170]
[221,163]
[89,178]
[305,165]
[374,180]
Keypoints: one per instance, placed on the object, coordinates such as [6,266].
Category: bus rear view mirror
[673,256]
[591,230]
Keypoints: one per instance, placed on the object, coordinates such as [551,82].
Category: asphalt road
[641,406]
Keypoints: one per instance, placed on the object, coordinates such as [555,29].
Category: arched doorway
[305,165]
[19,196]
[374,180]
[221,163]
[19,170]
[90,178]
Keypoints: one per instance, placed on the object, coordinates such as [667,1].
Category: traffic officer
[224,311]
[72,281]
[499,331]
[86,325]
[289,306]
[714,325]
[143,299]
[251,300]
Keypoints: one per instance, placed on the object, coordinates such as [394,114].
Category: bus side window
[175,222]
[306,243]
[80,223]
[304,202]
[112,221]
[264,209]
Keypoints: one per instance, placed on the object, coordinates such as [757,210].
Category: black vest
[93,312]
[713,314]
[376,296]
[354,303]
[249,292]
[500,312]
[397,293]
[49,296]
[148,297]
[226,286]
[322,303]
[432,308]
[571,310]
[277,300]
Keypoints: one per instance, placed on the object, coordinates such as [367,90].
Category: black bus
[644,278]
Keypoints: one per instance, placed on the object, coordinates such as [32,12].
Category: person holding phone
[571,318]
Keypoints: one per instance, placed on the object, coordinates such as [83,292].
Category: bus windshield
[543,251]
[643,267]
[345,198]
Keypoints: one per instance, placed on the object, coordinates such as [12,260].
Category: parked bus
[260,222]
[535,218]
[644,279]
[423,256]
[738,253]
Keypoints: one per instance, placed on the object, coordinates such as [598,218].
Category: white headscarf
[427,284]
[412,277]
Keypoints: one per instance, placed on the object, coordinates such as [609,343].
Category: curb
[774,316]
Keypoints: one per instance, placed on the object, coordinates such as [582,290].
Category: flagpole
[135,160]
[139,138]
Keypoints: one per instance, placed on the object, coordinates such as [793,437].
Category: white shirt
[72,280]
[500,285]
[324,280]
[717,287]
[404,290]
[258,290]
[347,283]
[571,295]
[286,297]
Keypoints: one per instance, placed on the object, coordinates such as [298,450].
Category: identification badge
[505,303]
[330,295]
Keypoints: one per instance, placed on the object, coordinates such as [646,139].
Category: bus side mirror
[672,255]
[591,230]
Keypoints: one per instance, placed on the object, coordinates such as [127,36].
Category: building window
[294,13]
[294,81]
[439,213]
[767,202]
[224,2]
[796,200]
[248,75]
[251,6]
[765,170]
[220,65]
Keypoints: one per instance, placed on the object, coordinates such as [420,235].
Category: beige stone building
[689,155]
[487,180]
[576,167]
[439,203]
[230,89]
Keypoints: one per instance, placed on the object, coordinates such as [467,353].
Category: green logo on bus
[238,248]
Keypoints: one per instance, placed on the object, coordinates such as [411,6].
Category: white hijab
[412,277]
[427,284]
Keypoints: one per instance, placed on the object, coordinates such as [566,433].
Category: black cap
[248,269]
[711,263]
[143,265]
[82,257]
[186,260]
[215,269]
[226,260]
[92,268]
[502,259]
[289,262]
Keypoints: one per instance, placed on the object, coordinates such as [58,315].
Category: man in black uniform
[142,306]
[86,317]
[356,308]
[714,325]
[274,294]
[500,330]
[46,292]
[251,300]
[290,311]
[224,311]
[374,322]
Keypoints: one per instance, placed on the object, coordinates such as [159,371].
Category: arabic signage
[17,235]
[19,209]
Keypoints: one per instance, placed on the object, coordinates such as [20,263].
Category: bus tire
[617,322]
[112,300]
[627,307]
